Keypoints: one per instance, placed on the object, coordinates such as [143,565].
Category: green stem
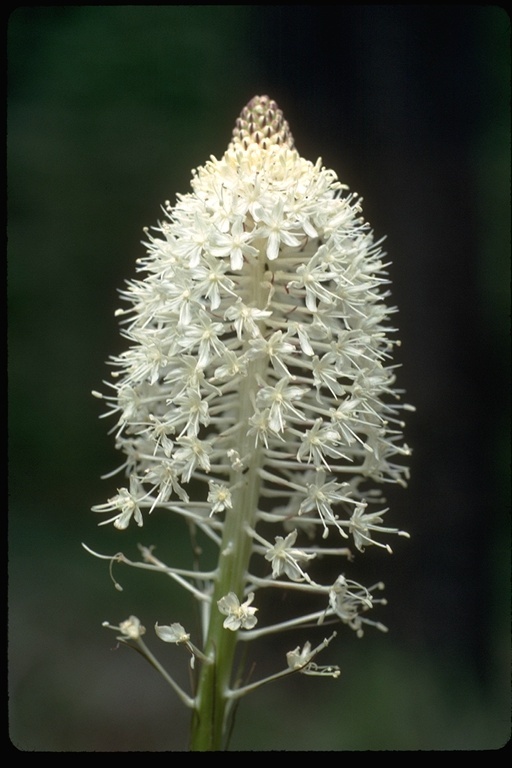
[211,714]
[212,702]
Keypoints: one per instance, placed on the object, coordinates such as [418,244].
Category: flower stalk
[257,401]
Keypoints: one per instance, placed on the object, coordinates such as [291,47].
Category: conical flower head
[260,347]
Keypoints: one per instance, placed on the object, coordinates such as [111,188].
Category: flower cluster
[259,368]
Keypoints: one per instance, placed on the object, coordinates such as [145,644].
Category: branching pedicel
[257,401]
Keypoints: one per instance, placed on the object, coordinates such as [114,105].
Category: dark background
[109,109]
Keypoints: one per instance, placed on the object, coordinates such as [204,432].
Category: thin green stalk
[210,718]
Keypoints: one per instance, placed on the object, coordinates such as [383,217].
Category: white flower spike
[256,399]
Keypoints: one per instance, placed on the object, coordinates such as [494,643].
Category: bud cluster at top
[261,122]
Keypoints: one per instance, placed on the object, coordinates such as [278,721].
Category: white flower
[302,660]
[131,629]
[324,497]
[234,244]
[286,560]
[219,497]
[362,524]
[276,348]
[128,504]
[175,633]
[348,599]
[245,318]
[192,453]
[319,441]
[276,226]
[238,616]
[280,400]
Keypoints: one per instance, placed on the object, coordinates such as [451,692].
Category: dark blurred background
[109,109]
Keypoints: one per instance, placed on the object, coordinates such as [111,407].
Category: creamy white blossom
[239,615]
[285,559]
[174,633]
[349,600]
[257,390]
[302,660]
[220,497]
[130,629]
